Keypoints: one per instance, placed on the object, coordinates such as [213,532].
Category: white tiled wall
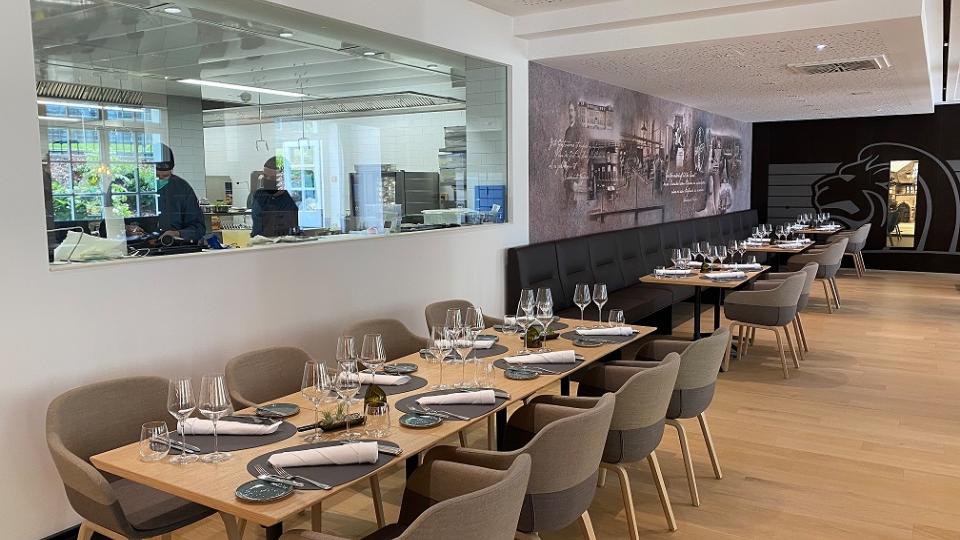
[185,138]
[486,124]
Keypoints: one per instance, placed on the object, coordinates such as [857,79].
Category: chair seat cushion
[153,511]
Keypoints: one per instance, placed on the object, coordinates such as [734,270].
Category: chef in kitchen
[180,215]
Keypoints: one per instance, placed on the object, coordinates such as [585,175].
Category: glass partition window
[260,126]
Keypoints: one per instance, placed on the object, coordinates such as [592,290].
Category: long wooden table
[780,254]
[213,485]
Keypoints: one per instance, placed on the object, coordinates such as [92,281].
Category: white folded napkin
[616,331]
[383,380]
[555,357]
[672,272]
[742,266]
[477,344]
[202,426]
[481,344]
[480,397]
[345,454]
[725,275]
[791,245]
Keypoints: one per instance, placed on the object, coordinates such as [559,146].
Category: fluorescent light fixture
[89,106]
[173,10]
[821,47]
[57,118]
[286,34]
[370,53]
[432,66]
[241,87]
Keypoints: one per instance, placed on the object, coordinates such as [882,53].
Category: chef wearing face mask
[273,210]
[180,215]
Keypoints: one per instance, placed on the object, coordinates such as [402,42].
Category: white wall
[67,328]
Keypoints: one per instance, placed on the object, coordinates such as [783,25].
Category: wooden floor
[863,442]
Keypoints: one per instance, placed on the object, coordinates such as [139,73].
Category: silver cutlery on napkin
[264,474]
[448,413]
[382,448]
[282,473]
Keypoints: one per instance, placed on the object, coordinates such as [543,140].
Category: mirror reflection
[902,203]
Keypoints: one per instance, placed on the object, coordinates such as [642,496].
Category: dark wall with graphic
[844,167]
[605,158]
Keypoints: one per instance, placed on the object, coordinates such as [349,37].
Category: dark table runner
[332,475]
[470,411]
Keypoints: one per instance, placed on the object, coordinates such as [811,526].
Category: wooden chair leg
[753,335]
[85,532]
[627,495]
[747,343]
[602,477]
[741,345]
[168,536]
[316,517]
[662,490]
[793,351]
[377,501]
[826,294]
[586,526]
[863,263]
[687,461]
[796,338]
[836,291]
[711,448]
[803,333]
[783,357]
[463,438]
[725,364]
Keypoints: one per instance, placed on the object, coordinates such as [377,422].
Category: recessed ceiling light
[370,53]
[431,66]
[173,10]
[242,88]
[821,46]
[286,34]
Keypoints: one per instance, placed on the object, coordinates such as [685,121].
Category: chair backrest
[90,420]
[260,376]
[398,340]
[700,362]
[810,271]
[831,257]
[858,239]
[436,313]
[488,513]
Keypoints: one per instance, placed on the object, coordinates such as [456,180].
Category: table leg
[501,420]
[696,312]
[316,517]
[565,386]
[274,531]
[491,433]
[233,527]
[716,309]
[412,463]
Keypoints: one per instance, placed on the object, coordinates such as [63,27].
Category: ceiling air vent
[866,63]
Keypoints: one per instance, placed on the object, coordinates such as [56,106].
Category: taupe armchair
[92,419]
[696,382]
[436,313]
[773,309]
[398,340]
[857,241]
[447,499]
[643,394]
[566,444]
[829,259]
[257,377]
[774,278]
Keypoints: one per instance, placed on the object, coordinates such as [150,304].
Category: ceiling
[525,7]
[135,44]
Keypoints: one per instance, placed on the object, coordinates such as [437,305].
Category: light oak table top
[695,279]
[774,248]
[827,232]
[213,485]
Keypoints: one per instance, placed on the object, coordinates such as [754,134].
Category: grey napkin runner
[559,368]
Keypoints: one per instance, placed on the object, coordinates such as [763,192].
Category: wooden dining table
[214,485]
[780,254]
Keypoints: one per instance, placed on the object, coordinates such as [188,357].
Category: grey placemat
[232,443]
[332,475]
[415,383]
[572,335]
[559,368]
[470,411]
[496,350]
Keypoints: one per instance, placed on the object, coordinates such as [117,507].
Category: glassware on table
[616,318]
[347,384]
[523,324]
[581,297]
[464,340]
[732,248]
[181,402]
[544,317]
[453,319]
[752,259]
[721,252]
[741,249]
[372,353]
[675,257]
[700,250]
[378,420]
[685,257]
[440,347]
[154,441]
[214,403]
[711,257]
[544,298]
[315,388]
[485,372]
[600,298]
[475,322]
[346,349]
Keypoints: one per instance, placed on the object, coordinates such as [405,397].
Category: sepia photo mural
[605,158]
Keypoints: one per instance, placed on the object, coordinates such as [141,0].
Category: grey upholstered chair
[829,259]
[857,241]
[448,499]
[566,444]
[92,419]
[696,382]
[772,309]
[436,313]
[260,376]
[398,340]
[772,281]
[643,394]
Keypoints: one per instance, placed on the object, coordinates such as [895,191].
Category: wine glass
[741,249]
[700,250]
[600,298]
[544,305]
[675,257]
[463,341]
[712,256]
[372,353]
[440,347]
[214,404]
[347,384]
[315,388]
[528,301]
[181,403]
[453,318]
[721,252]
[346,349]
[685,258]
[477,325]
[581,297]
[732,248]
[544,317]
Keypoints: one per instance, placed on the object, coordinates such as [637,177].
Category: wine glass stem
[316,421]
[216,442]
[599,314]
[346,418]
[581,313]
[440,379]
[183,432]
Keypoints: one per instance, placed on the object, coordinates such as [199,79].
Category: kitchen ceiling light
[172,10]
[242,88]
[286,34]
[57,118]
[821,47]
[432,66]
[370,53]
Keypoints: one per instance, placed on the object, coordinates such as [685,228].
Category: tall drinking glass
[600,298]
[453,318]
[372,352]
[346,349]
[214,404]
[721,254]
[316,389]
[347,385]
[685,257]
[463,343]
[581,297]
[675,257]
[440,347]
[181,402]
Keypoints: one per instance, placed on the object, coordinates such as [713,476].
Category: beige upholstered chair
[829,259]
[398,340]
[643,394]
[773,280]
[857,241]
[92,419]
[773,309]
[566,444]
[257,377]
[447,499]
[436,313]
[696,382]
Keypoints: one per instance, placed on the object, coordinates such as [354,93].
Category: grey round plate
[587,342]
[401,368]
[259,491]
[419,422]
[520,374]
[278,410]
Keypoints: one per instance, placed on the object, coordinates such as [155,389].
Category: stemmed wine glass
[453,319]
[675,257]
[600,298]
[477,325]
[685,258]
[372,353]
[732,248]
[316,389]
[544,314]
[581,297]
[721,253]
[181,403]
[214,404]
[741,249]
[463,342]
[440,347]
[700,250]
[347,384]
[712,256]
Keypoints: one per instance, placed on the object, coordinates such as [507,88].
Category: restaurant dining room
[480,269]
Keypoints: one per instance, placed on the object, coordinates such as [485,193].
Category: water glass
[616,318]
[372,353]
[214,404]
[378,421]
[181,403]
[485,372]
[315,388]
[154,441]
[440,347]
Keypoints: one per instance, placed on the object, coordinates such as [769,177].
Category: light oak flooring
[862,442]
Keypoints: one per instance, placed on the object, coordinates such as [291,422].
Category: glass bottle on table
[600,298]
[315,388]
[181,402]
[214,403]
[581,297]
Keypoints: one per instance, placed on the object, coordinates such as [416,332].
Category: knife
[382,448]
[498,393]
[177,445]
[250,419]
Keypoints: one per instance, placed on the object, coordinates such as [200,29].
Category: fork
[282,473]
[448,413]
[265,475]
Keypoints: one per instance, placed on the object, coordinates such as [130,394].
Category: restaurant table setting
[453,404]
[547,363]
[326,463]
[233,433]
[391,384]
[604,334]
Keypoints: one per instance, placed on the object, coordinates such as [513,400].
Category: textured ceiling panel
[526,7]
